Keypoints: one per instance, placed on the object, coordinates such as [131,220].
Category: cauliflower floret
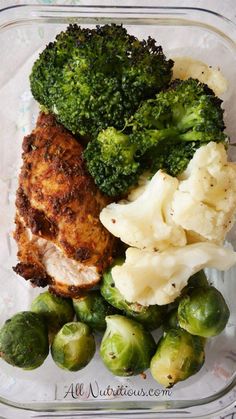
[205,202]
[165,211]
[138,190]
[185,67]
[158,278]
[146,222]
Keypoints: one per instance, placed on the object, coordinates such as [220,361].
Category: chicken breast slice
[60,238]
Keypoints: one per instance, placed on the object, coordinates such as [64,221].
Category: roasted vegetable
[179,355]
[91,308]
[151,316]
[126,347]
[203,312]
[171,320]
[94,78]
[24,340]
[110,161]
[164,133]
[55,310]
[73,347]
[197,280]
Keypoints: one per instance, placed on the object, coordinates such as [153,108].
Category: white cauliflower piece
[198,206]
[146,222]
[185,67]
[137,190]
[205,202]
[158,278]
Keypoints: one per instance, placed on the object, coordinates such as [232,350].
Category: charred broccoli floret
[111,162]
[94,78]
[164,133]
[188,109]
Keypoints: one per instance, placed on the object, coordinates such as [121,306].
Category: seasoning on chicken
[61,240]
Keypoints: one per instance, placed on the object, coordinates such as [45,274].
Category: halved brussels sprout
[91,308]
[179,355]
[73,347]
[126,347]
[203,312]
[55,310]
[151,316]
[24,340]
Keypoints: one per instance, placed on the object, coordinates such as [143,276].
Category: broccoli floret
[95,78]
[188,110]
[172,158]
[111,161]
[164,133]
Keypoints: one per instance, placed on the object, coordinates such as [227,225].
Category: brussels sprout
[151,316]
[24,340]
[126,347]
[199,279]
[55,310]
[179,355]
[203,312]
[92,309]
[171,320]
[73,347]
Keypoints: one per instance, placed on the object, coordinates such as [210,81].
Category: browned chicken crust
[58,201]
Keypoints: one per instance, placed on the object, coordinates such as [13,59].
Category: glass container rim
[132,10]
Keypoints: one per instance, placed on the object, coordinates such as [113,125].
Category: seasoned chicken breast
[60,238]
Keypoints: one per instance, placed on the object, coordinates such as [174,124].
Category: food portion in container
[127,347]
[60,239]
[125,195]
[73,347]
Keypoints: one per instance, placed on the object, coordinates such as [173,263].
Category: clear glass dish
[49,391]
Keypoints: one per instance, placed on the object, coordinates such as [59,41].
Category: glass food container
[49,391]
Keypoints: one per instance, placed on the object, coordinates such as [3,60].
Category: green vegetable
[171,320]
[197,280]
[126,347]
[55,310]
[164,133]
[73,347]
[91,308]
[151,316]
[179,355]
[95,78]
[110,161]
[203,312]
[24,340]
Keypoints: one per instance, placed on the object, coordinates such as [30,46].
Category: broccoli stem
[193,136]
[174,134]
[185,118]
[159,135]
